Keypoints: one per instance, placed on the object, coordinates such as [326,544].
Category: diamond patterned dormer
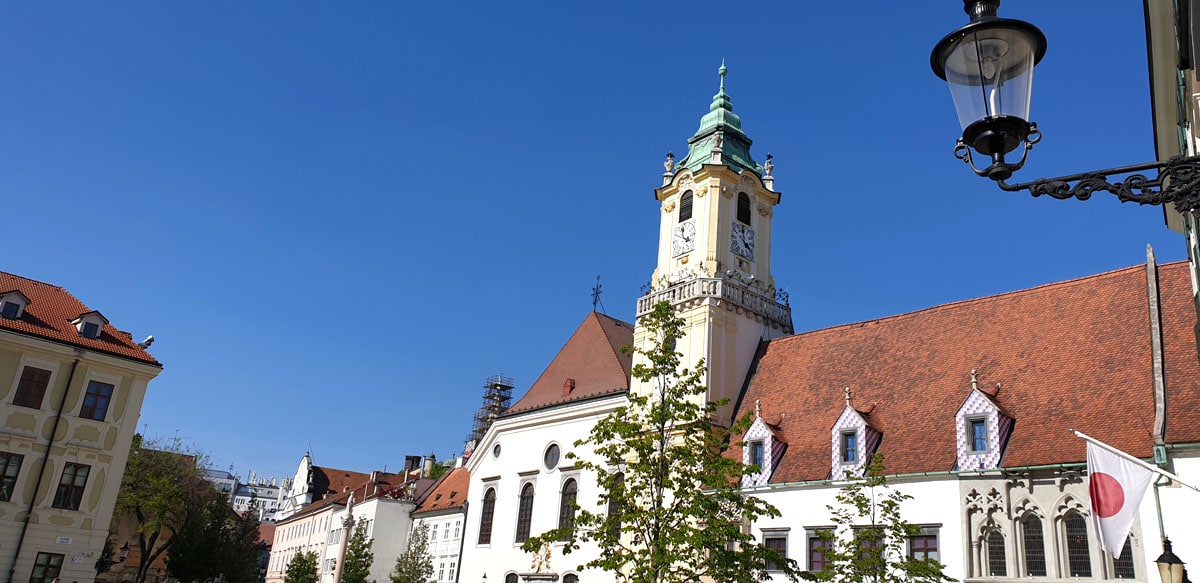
[762,448]
[12,304]
[854,440]
[90,324]
[981,429]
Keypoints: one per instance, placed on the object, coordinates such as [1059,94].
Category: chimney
[568,387]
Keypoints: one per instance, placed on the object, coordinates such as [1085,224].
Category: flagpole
[1131,459]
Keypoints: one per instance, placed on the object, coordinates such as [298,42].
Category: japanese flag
[1116,487]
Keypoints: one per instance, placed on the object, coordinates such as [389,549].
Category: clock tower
[714,253]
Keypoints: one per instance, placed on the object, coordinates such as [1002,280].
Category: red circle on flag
[1106,493]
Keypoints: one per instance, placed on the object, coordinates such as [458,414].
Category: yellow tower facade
[714,254]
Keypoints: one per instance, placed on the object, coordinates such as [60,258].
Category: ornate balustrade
[700,288]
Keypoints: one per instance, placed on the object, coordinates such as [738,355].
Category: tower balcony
[721,292]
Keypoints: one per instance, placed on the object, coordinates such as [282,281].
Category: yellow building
[71,390]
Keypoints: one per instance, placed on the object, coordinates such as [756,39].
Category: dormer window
[981,429]
[756,453]
[90,324]
[850,447]
[12,305]
[978,434]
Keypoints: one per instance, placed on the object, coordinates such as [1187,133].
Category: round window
[551,458]
[496,450]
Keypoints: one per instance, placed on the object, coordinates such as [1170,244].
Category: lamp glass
[1170,572]
[990,70]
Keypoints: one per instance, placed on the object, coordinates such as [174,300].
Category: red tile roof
[50,312]
[449,492]
[1073,354]
[591,358]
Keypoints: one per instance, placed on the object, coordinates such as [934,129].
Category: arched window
[685,206]
[743,210]
[485,518]
[510,578]
[1035,546]
[1123,565]
[614,504]
[1079,560]
[572,578]
[525,513]
[566,506]
[996,567]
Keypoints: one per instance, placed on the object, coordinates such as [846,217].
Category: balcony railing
[723,289]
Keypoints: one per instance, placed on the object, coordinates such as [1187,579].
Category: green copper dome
[720,127]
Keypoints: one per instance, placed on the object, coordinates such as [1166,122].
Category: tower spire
[720,128]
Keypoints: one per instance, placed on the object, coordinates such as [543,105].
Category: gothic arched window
[1079,560]
[1123,565]
[685,206]
[525,513]
[743,209]
[1035,546]
[485,516]
[996,566]
[566,507]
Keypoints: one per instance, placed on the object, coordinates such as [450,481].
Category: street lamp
[1170,567]
[989,66]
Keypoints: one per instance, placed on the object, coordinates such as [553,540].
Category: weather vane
[596,295]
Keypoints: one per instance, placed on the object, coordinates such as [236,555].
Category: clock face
[742,240]
[684,238]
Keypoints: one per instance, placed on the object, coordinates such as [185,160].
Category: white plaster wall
[934,503]
[444,551]
[1181,515]
[390,524]
[523,440]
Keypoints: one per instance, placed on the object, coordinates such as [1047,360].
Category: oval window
[551,458]
[496,450]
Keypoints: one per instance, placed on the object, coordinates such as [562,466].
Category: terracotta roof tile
[591,358]
[50,312]
[1073,354]
[449,492]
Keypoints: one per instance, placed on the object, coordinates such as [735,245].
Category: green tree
[870,538]
[414,565]
[302,569]
[161,493]
[195,551]
[359,558]
[674,508]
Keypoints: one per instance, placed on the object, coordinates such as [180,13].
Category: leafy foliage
[359,558]
[414,565]
[675,512]
[869,540]
[161,494]
[302,568]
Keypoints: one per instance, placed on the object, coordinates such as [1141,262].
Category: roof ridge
[38,281]
[987,298]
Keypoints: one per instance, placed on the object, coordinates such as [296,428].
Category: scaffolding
[497,396]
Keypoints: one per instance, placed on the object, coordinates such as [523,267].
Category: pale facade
[443,512]
[71,388]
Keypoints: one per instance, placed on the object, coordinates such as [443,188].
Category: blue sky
[338,219]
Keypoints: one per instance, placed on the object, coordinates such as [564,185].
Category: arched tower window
[510,578]
[572,578]
[685,206]
[996,566]
[525,513]
[1079,560]
[614,504]
[1035,546]
[743,209]
[566,506]
[485,516]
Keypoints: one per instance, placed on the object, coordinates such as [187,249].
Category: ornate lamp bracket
[1177,181]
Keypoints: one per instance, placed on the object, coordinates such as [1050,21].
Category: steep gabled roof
[591,358]
[449,492]
[326,481]
[49,315]
[1074,354]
